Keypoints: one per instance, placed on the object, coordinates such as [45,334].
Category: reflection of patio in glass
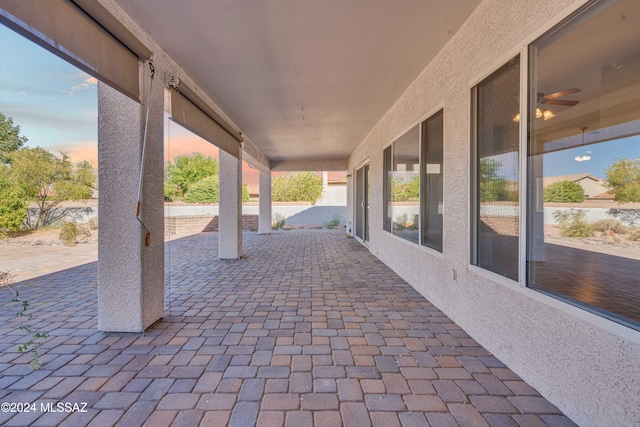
[308,326]
[606,282]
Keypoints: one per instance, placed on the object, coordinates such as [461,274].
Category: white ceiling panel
[304,79]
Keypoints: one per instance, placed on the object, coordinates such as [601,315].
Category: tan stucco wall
[586,365]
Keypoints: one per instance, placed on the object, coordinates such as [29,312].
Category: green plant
[297,187]
[33,345]
[335,222]
[49,180]
[277,221]
[564,192]
[493,187]
[186,171]
[204,191]
[573,223]
[245,193]
[69,233]
[623,180]
[406,190]
[634,234]
[610,224]
[10,138]
[13,208]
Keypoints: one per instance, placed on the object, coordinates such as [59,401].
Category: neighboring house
[592,185]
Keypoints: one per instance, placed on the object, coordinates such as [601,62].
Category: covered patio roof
[304,80]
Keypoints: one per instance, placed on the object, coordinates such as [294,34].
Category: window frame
[386,194]
[474,160]
[424,191]
[521,48]
[551,33]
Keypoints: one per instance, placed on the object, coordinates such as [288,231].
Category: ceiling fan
[552,97]
[543,113]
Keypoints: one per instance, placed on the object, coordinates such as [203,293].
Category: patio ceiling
[303,79]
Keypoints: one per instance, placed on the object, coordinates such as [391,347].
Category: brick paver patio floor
[307,329]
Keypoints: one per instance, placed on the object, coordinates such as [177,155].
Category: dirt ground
[44,237]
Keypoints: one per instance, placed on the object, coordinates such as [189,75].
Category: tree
[49,180]
[13,203]
[297,187]
[406,190]
[493,187]
[564,192]
[186,170]
[10,138]
[623,180]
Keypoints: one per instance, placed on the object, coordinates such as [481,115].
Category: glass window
[386,188]
[583,157]
[402,174]
[431,187]
[496,132]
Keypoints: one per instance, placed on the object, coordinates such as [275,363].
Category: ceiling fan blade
[561,102]
[561,93]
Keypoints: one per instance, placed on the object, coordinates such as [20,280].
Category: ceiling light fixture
[541,113]
[586,157]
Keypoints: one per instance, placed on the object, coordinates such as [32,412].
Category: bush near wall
[204,191]
[564,192]
[13,209]
[297,187]
[207,190]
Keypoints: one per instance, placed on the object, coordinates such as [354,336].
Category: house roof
[573,178]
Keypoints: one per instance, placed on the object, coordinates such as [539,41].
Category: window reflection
[405,186]
[584,172]
[496,228]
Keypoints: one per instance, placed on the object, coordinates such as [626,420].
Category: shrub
[69,233]
[573,223]
[13,209]
[6,278]
[634,234]
[93,223]
[402,222]
[245,193]
[185,171]
[406,190]
[610,224]
[297,187]
[204,191]
[335,222]
[277,221]
[564,192]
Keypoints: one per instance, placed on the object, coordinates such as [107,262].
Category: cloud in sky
[88,83]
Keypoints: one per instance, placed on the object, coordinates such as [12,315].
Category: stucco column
[130,274]
[230,209]
[265,203]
